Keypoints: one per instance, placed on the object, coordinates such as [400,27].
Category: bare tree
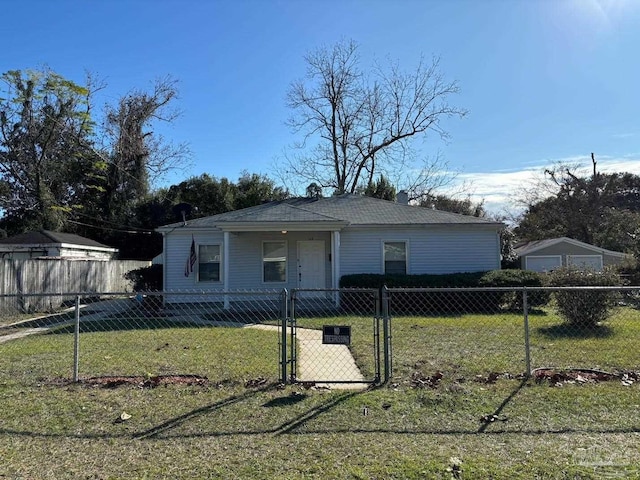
[356,125]
[137,156]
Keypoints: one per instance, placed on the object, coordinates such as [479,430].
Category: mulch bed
[558,378]
[553,377]
[145,382]
[139,381]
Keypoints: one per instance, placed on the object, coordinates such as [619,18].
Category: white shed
[549,254]
[45,243]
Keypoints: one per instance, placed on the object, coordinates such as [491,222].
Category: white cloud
[500,189]
[623,135]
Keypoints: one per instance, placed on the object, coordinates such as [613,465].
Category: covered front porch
[280,258]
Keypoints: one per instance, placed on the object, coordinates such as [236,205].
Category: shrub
[416,303]
[372,280]
[146,279]
[516,278]
[584,308]
[629,271]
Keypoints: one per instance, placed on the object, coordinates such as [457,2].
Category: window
[585,262]
[542,263]
[209,263]
[395,258]
[274,261]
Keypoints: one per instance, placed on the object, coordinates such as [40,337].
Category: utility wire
[140,231]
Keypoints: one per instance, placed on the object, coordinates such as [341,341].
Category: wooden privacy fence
[57,275]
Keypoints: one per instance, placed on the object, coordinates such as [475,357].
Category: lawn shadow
[294,424]
[496,415]
[45,320]
[285,401]
[564,330]
[111,324]
[289,400]
[198,412]
[134,319]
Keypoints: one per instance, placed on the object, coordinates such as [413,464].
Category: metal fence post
[386,324]
[292,343]
[283,322]
[76,341]
[376,333]
[527,344]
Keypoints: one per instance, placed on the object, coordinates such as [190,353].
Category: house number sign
[336,334]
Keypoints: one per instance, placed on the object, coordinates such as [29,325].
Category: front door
[311,264]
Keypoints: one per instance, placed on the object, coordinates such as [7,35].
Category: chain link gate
[334,337]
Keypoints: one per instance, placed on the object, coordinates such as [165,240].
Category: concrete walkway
[42,324]
[324,364]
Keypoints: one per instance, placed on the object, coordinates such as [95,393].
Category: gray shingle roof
[536,245]
[347,209]
[46,237]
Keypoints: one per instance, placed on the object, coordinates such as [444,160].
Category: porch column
[225,266]
[335,259]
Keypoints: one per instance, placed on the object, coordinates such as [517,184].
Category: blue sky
[544,81]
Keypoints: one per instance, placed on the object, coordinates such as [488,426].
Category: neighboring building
[312,242]
[44,243]
[547,255]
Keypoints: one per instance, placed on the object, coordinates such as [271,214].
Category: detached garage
[547,255]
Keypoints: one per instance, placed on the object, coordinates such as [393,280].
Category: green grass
[221,354]
[463,346]
[225,430]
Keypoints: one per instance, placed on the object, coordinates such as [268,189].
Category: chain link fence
[482,333]
[337,336]
[231,337]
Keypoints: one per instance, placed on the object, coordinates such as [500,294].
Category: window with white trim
[587,262]
[395,258]
[542,263]
[274,261]
[209,263]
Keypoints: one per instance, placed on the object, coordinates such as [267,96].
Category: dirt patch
[554,377]
[145,382]
[557,378]
[139,381]
[421,380]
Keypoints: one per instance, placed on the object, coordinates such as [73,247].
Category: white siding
[80,253]
[177,247]
[432,250]
[245,259]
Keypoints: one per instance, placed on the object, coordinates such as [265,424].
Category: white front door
[311,264]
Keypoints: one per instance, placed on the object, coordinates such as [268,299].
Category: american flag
[191,261]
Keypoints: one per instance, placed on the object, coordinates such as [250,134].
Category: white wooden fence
[58,276]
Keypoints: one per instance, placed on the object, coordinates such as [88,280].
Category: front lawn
[457,406]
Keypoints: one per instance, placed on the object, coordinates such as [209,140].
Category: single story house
[547,255]
[45,243]
[310,243]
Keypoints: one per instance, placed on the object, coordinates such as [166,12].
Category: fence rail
[415,334]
